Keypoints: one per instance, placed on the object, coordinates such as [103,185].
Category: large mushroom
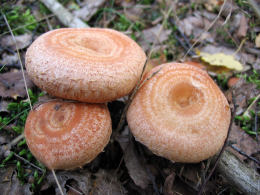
[180,113]
[90,65]
[67,135]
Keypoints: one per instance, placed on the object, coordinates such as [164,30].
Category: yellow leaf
[221,59]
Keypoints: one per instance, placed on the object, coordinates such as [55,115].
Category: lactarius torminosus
[90,65]
[180,114]
[66,135]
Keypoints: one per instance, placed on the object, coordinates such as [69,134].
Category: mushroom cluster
[180,113]
[91,65]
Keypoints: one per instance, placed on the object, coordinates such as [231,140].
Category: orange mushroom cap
[65,135]
[180,114]
[90,65]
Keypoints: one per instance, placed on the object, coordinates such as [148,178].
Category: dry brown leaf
[188,24]
[89,9]
[85,182]
[243,92]
[107,183]
[3,106]
[243,27]
[135,169]
[155,62]
[168,184]
[150,36]
[80,177]
[12,85]
[243,141]
[9,59]
[132,10]
[194,25]
[22,41]
[10,184]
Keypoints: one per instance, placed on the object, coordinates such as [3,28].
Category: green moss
[18,17]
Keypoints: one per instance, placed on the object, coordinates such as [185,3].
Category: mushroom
[67,135]
[89,65]
[180,113]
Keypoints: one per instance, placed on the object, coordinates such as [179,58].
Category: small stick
[19,58]
[160,30]
[23,26]
[207,29]
[255,124]
[122,118]
[255,7]
[140,83]
[186,40]
[64,15]
[244,154]
[15,141]
[251,105]
[57,181]
[26,161]
[75,190]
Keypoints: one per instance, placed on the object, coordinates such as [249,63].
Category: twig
[240,46]
[15,141]
[19,58]
[122,118]
[23,26]
[222,149]
[159,32]
[13,118]
[75,190]
[64,15]
[26,161]
[57,181]
[2,67]
[238,174]
[186,44]
[244,154]
[255,124]
[255,7]
[48,22]
[26,88]
[140,83]
[207,29]
[246,113]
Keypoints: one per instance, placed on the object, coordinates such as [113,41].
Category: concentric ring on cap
[67,135]
[180,113]
[92,65]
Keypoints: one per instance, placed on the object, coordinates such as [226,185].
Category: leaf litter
[135,175]
[12,85]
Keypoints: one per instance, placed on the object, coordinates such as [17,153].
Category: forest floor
[222,36]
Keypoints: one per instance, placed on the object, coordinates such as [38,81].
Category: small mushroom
[92,65]
[67,135]
[180,113]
